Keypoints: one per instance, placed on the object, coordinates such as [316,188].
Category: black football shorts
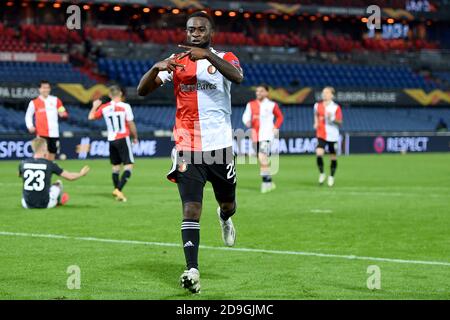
[52,144]
[332,145]
[191,171]
[120,152]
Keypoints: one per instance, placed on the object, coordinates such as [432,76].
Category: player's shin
[190,234]
[320,163]
[124,179]
[115,178]
[226,213]
[265,168]
[333,167]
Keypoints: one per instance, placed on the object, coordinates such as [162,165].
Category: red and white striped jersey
[45,112]
[261,115]
[203,99]
[326,128]
[116,115]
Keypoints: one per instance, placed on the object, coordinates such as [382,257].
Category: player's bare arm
[95,105]
[71,176]
[232,73]
[29,119]
[133,131]
[316,120]
[150,80]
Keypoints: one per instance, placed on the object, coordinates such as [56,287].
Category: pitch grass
[389,206]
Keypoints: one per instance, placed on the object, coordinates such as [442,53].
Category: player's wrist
[159,66]
[208,55]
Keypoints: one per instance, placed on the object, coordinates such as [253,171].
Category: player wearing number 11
[120,123]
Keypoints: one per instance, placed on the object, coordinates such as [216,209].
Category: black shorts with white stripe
[120,151]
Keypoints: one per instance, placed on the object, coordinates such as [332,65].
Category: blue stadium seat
[298,118]
[128,72]
[33,72]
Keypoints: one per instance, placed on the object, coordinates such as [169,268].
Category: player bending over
[202,78]
[38,192]
[46,110]
[120,123]
[259,115]
[327,120]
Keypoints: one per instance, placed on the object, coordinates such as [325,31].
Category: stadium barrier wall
[14,148]
[414,142]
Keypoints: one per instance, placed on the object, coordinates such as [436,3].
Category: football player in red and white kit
[120,123]
[327,120]
[202,78]
[259,115]
[46,110]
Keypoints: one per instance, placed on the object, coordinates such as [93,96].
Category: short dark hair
[43,82]
[263,85]
[202,14]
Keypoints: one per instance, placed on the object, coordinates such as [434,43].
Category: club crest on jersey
[182,167]
[212,69]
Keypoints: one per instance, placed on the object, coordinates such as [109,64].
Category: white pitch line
[165,244]
[320,211]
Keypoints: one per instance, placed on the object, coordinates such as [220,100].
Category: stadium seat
[33,72]
[128,72]
[297,118]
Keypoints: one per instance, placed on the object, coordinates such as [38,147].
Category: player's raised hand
[84,171]
[168,65]
[96,103]
[194,53]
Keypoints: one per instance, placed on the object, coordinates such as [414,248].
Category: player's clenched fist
[168,65]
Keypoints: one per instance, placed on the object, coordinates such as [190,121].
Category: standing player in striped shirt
[259,115]
[203,136]
[120,123]
[46,110]
[327,120]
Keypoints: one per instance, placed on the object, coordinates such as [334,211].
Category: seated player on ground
[120,123]
[38,192]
